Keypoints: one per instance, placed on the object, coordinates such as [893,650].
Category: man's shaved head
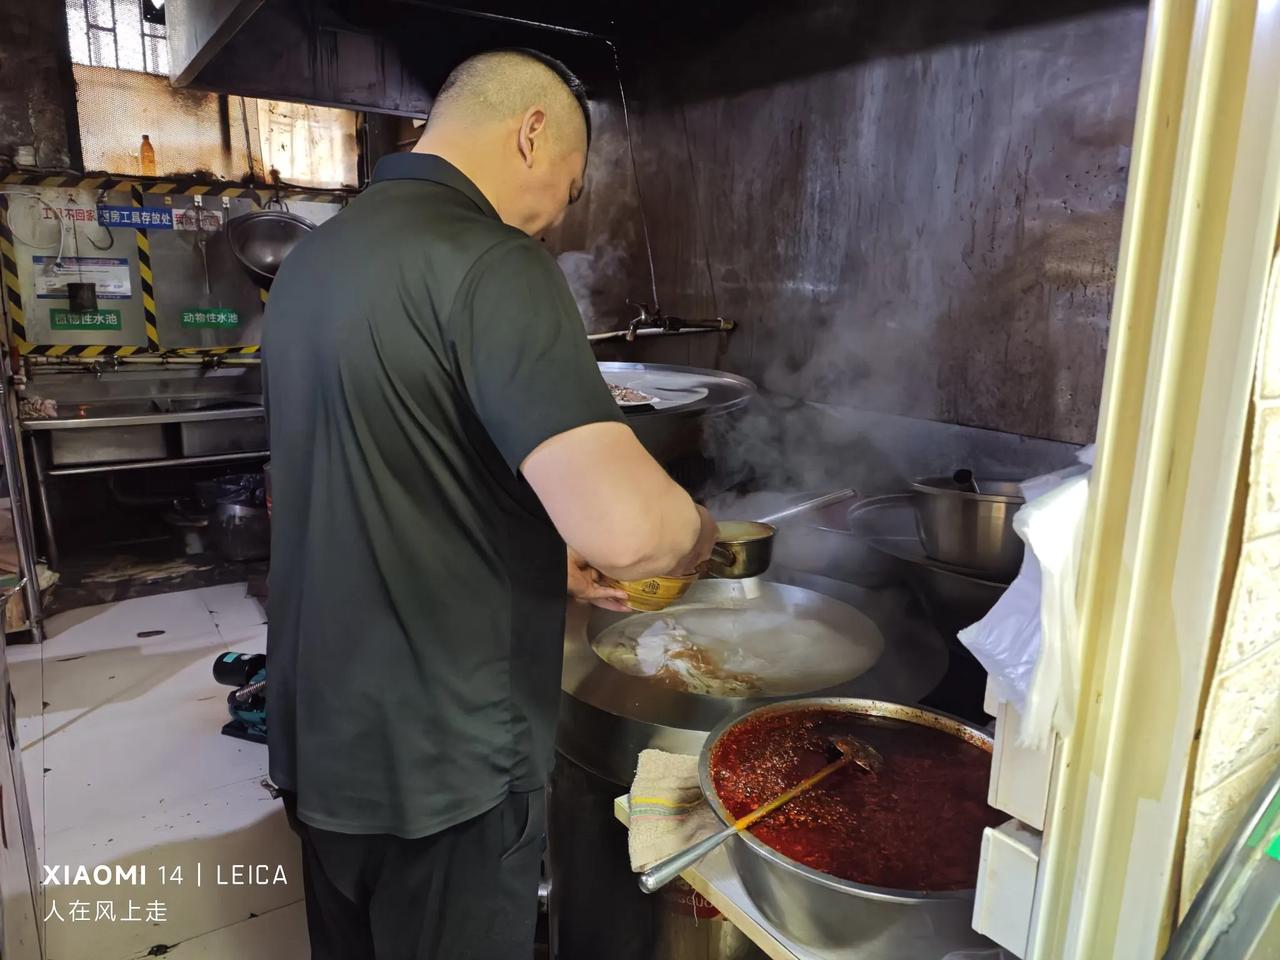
[501,84]
[515,122]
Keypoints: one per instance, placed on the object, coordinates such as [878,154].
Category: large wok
[261,240]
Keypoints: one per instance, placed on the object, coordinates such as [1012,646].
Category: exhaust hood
[384,56]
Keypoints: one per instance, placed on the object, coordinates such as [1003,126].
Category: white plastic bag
[1027,642]
[1007,640]
[1053,527]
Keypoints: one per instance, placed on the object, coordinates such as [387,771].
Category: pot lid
[715,642]
[678,390]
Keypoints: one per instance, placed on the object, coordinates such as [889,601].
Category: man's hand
[586,583]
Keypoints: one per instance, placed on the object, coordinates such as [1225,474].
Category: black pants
[467,893]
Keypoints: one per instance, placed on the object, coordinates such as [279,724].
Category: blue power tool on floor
[247,703]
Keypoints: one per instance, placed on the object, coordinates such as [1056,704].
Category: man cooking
[439,432]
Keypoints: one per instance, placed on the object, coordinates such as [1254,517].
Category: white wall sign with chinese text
[109,275]
[197,218]
[110,215]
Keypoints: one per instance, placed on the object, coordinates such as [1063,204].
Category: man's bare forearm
[615,505]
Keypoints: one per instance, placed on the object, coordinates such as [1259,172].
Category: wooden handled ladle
[851,751]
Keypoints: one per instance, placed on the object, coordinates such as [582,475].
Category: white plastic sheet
[1028,642]
[1053,527]
[1007,640]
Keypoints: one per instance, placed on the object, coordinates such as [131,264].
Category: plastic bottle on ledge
[147,157]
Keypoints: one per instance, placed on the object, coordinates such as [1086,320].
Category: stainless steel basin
[202,438]
[157,428]
[186,404]
[841,918]
[107,445]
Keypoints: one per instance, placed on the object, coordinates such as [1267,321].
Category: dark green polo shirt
[417,349]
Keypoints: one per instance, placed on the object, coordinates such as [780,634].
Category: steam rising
[598,280]
[780,448]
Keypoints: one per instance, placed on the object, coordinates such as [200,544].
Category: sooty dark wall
[915,214]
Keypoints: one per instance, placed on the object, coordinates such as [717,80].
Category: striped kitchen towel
[667,809]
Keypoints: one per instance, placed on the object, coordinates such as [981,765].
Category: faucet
[102,364]
[644,319]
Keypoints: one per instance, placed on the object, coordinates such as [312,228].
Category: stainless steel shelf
[144,419]
[149,464]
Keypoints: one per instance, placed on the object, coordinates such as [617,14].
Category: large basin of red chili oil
[915,825]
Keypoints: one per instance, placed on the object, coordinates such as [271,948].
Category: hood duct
[385,56]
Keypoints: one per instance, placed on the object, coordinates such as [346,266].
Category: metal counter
[111,435]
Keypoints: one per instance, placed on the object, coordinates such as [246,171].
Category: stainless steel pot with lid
[674,428]
[968,529]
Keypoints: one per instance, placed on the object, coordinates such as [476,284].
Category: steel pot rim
[951,724]
[931,486]
[239,510]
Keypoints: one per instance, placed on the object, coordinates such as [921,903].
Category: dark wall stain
[924,228]
[36,88]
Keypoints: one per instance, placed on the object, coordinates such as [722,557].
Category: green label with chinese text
[85,320]
[217,318]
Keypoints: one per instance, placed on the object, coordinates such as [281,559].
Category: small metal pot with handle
[744,548]
[970,529]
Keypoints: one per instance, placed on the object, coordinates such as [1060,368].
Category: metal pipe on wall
[18,501]
[192,361]
[631,335]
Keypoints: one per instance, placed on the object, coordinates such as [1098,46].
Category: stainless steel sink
[156,428]
[131,413]
[187,404]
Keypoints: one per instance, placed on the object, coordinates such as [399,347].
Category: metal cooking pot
[967,529]
[842,918]
[744,548]
[680,432]
[241,533]
[188,529]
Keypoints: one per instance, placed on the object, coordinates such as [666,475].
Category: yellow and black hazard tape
[88,351]
[19,336]
[137,189]
[148,280]
[181,188]
[12,293]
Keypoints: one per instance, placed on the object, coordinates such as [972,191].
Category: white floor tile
[179,615]
[171,751]
[248,639]
[234,612]
[126,765]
